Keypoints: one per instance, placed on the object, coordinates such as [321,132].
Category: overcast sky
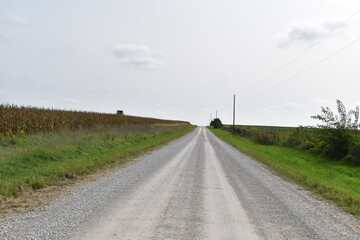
[181,59]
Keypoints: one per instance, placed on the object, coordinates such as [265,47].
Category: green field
[31,162]
[333,180]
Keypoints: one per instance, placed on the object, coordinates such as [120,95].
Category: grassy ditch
[32,162]
[333,180]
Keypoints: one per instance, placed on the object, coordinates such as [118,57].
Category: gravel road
[196,187]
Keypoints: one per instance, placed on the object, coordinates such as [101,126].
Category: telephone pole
[234,115]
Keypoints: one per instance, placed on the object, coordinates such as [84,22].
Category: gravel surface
[196,187]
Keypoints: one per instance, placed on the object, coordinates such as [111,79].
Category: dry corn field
[15,119]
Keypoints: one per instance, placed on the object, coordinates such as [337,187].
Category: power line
[308,68]
[302,53]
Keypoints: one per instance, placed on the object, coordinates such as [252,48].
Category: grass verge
[332,180]
[36,162]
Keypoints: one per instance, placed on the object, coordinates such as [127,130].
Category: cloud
[289,105]
[14,20]
[70,100]
[4,36]
[137,56]
[279,107]
[309,31]
[224,72]
[2,92]
[5,22]
[322,101]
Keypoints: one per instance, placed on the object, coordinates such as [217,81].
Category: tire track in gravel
[144,214]
[226,217]
[281,209]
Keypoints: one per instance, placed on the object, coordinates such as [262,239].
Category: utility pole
[234,115]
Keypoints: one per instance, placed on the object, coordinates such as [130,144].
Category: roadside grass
[332,180]
[32,162]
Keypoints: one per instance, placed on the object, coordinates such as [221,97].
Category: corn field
[15,119]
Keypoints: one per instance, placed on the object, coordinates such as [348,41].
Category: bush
[353,155]
[296,139]
[335,138]
[267,137]
[216,123]
[290,141]
[336,143]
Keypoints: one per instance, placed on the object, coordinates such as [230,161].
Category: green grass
[332,180]
[36,161]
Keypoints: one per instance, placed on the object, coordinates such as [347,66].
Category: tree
[344,120]
[336,130]
[216,123]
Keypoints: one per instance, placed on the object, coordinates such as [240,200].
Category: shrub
[334,139]
[291,141]
[336,143]
[266,137]
[216,123]
[344,120]
[353,155]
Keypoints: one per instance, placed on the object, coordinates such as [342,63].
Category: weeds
[337,181]
[334,144]
[41,160]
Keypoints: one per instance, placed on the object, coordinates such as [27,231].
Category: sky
[183,60]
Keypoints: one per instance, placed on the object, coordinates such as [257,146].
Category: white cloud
[2,92]
[290,105]
[309,31]
[14,20]
[70,100]
[45,101]
[131,50]
[271,109]
[137,56]
[224,72]
[322,101]
[4,36]
[271,114]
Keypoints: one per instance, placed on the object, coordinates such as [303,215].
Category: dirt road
[197,187]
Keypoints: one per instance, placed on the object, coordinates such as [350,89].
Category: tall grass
[334,144]
[39,160]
